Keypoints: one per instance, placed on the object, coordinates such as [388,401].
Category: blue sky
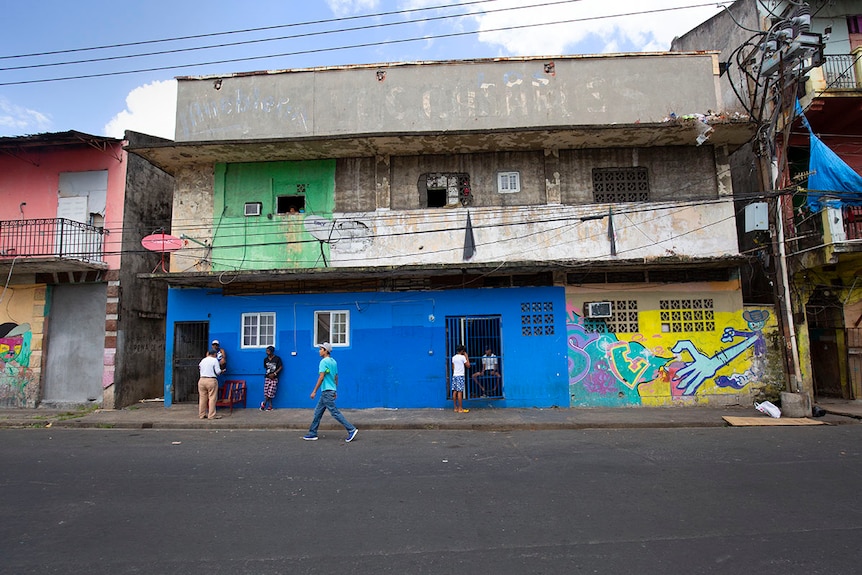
[126,92]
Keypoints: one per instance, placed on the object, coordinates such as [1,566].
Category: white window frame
[339,319]
[257,338]
[508,182]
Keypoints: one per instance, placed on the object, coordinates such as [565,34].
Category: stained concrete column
[381,181]
[722,171]
[553,191]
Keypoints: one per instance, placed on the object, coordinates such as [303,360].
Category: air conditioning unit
[253,209]
[598,309]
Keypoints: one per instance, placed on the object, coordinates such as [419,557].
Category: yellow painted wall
[668,345]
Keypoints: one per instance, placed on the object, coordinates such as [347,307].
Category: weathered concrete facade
[534,186]
[138,309]
[508,94]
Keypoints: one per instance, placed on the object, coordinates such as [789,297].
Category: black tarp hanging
[469,240]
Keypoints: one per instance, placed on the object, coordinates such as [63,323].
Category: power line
[438,222]
[355,46]
[667,210]
[290,37]
[260,29]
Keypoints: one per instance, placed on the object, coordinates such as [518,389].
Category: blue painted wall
[397,354]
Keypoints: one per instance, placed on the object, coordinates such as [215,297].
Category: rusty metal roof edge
[713,120]
[341,67]
[420,270]
[69,137]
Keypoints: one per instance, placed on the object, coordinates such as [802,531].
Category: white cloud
[582,31]
[17,120]
[150,109]
[347,7]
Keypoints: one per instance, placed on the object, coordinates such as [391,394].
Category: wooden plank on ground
[766,420]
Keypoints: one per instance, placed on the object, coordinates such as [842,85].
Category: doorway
[190,345]
[825,314]
[75,355]
[478,334]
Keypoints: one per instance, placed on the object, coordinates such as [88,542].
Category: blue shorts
[457,383]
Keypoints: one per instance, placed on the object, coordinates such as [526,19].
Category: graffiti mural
[607,370]
[15,374]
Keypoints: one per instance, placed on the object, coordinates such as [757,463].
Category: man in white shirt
[490,373]
[208,386]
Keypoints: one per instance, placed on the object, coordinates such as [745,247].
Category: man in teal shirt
[327,382]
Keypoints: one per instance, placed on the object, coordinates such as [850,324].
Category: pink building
[68,257]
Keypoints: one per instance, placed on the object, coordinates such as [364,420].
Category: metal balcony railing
[839,71]
[51,238]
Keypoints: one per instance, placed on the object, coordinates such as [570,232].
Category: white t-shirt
[209,367]
[458,362]
[489,362]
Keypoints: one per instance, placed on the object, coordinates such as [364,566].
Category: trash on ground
[768,408]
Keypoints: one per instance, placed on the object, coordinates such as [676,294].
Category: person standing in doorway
[272,367]
[459,362]
[327,383]
[208,386]
[221,355]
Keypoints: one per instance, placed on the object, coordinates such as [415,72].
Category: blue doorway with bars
[482,337]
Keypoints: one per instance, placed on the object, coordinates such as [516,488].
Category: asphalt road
[717,500]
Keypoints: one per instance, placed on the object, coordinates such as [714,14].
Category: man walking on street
[327,382]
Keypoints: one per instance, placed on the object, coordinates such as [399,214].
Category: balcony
[50,245]
[838,74]
[830,236]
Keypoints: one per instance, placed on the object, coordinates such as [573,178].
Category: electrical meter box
[756,217]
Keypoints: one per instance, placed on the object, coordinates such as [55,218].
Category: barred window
[445,189]
[624,319]
[687,315]
[611,185]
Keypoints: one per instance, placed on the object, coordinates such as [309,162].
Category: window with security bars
[537,318]
[445,189]
[611,185]
[624,319]
[687,315]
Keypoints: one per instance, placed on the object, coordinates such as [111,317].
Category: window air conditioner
[598,309]
[252,209]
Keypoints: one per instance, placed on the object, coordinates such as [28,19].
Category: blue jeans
[327,401]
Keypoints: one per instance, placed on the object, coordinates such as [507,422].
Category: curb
[381,426]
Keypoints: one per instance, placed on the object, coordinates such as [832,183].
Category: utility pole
[785,303]
[788,50]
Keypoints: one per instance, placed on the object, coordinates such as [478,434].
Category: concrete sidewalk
[154,415]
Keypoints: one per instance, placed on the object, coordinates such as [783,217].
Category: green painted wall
[272,240]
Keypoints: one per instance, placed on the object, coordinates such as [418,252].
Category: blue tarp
[832,182]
